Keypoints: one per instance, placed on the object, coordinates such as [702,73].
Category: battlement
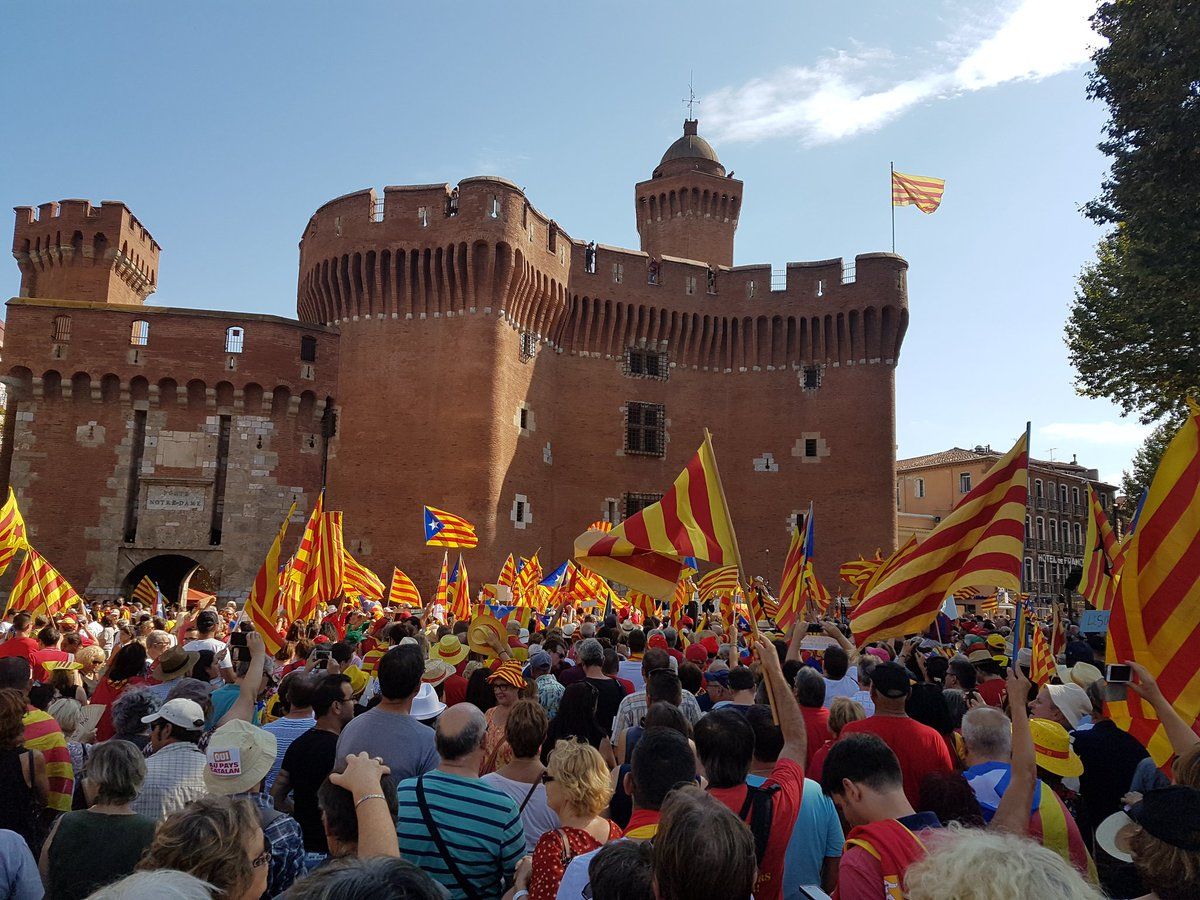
[73,250]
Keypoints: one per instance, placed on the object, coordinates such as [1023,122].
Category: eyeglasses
[263,858]
[547,778]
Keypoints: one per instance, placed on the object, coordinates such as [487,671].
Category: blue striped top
[479,825]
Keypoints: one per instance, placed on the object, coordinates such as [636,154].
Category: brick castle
[454,346]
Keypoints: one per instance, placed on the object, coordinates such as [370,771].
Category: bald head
[460,731]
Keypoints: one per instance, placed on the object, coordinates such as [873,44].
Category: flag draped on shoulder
[1099,583]
[443,529]
[266,601]
[650,550]
[981,541]
[921,191]
[1155,618]
[12,531]
[403,591]
[40,589]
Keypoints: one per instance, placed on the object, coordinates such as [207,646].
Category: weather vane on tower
[692,99]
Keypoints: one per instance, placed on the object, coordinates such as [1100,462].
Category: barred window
[644,363]
[645,429]
[308,349]
[812,378]
[139,334]
[235,339]
[62,329]
[635,503]
[528,349]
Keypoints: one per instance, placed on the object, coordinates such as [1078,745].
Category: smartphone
[814,628]
[1117,673]
[237,647]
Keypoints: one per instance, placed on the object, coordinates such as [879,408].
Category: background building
[928,488]
[454,346]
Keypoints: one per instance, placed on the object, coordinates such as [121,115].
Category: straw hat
[449,650]
[1082,674]
[174,663]
[436,671]
[426,704]
[239,756]
[1052,745]
[481,627]
[508,672]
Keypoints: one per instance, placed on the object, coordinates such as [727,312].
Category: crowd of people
[604,756]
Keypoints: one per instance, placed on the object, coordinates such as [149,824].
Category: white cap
[181,712]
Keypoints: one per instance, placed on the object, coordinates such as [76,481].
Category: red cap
[686,621]
[657,640]
[696,653]
[321,639]
[710,644]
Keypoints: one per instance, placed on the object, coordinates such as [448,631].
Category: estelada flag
[650,550]
[443,529]
[981,541]
[1155,619]
[921,191]
[265,602]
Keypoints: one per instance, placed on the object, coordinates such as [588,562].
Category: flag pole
[891,183]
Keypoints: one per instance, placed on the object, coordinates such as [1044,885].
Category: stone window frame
[639,358]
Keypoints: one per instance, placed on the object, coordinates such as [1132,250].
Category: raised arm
[376,830]
[243,706]
[1181,737]
[831,629]
[1012,815]
[787,710]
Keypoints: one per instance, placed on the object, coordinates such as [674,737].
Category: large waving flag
[799,583]
[859,572]
[921,191]
[358,580]
[720,582]
[1099,583]
[331,558]
[305,567]
[39,588]
[266,600]
[508,573]
[12,531]
[980,542]
[443,529]
[146,592]
[1155,619]
[403,591]
[461,604]
[650,549]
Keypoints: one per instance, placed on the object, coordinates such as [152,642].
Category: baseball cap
[720,676]
[239,756]
[890,680]
[180,712]
[696,653]
[540,660]
[206,621]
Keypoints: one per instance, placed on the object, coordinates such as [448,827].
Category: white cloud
[1124,434]
[851,92]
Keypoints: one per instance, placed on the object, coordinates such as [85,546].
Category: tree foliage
[1134,329]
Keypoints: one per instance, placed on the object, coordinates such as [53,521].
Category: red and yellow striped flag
[858,572]
[685,589]
[815,592]
[358,580]
[988,606]
[40,589]
[1155,619]
[508,573]
[650,549]
[1099,583]
[980,542]
[146,592]
[443,529]
[331,567]
[1041,665]
[722,582]
[12,531]
[921,191]
[266,599]
[403,592]
[304,568]
[528,575]
[601,525]
[643,603]
[441,594]
[792,582]
[460,606]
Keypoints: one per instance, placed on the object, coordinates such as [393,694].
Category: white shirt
[846,686]
[631,670]
[219,649]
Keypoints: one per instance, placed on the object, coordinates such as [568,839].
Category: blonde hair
[955,861]
[66,713]
[207,838]
[581,774]
[843,711]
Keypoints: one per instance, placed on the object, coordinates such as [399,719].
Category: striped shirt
[479,824]
[43,734]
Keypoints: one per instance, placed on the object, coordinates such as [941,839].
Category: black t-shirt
[308,762]
[1110,756]
[607,700]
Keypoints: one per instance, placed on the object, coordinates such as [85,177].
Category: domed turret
[689,207]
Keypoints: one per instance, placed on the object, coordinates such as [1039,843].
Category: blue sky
[224,125]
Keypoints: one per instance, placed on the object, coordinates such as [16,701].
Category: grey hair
[158,884]
[66,713]
[590,653]
[866,665]
[672,635]
[810,687]
[466,741]
[158,636]
[988,732]
[193,689]
[116,769]
[380,876]
[130,708]
[956,704]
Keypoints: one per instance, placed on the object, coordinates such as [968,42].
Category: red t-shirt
[454,690]
[816,722]
[790,778]
[920,749]
[44,656]
[817,764]
[23,646]
[992,691]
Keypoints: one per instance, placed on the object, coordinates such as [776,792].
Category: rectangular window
[1075,495]
[494,209]
[139,335]
[62,329]
[423,215]
[635,503]
[337,225]
[689,284]
[528,346]
[611,511]
[920,488]
[964,483]
[646,363]
[524,419]
[1037,488]
[308,349]
[1028,571]
[749,290]
[618,273]
[519,511]
[812,378]
[1041,528]
[1078,535]
[235,339]
[810,448]
[645,429]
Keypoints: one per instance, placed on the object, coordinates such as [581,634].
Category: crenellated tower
[73,250]
[689,207]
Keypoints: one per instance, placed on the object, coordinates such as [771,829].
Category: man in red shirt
[19,642]
[47,651]
[810,692]
[920,749]
[725,745]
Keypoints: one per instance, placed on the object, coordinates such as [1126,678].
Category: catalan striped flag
[40,589]
[643,603]
[921,191]
[358,580]
[650,549]
[589,586]
[266,600]
[146,592]
[331,558]
[815,592]
[964,594]
[403,591]
[601,525]
[1155,619]
[443,529]
[685,589]
[1041,665]
[988,606]
[508,573]
[460,605]
[12,531]
[1100,577]
[529,573]
[980,542]
[858,572]
[792,582]
[305,567]
[441,594]
[722,582]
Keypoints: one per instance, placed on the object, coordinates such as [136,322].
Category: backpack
[757,812]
